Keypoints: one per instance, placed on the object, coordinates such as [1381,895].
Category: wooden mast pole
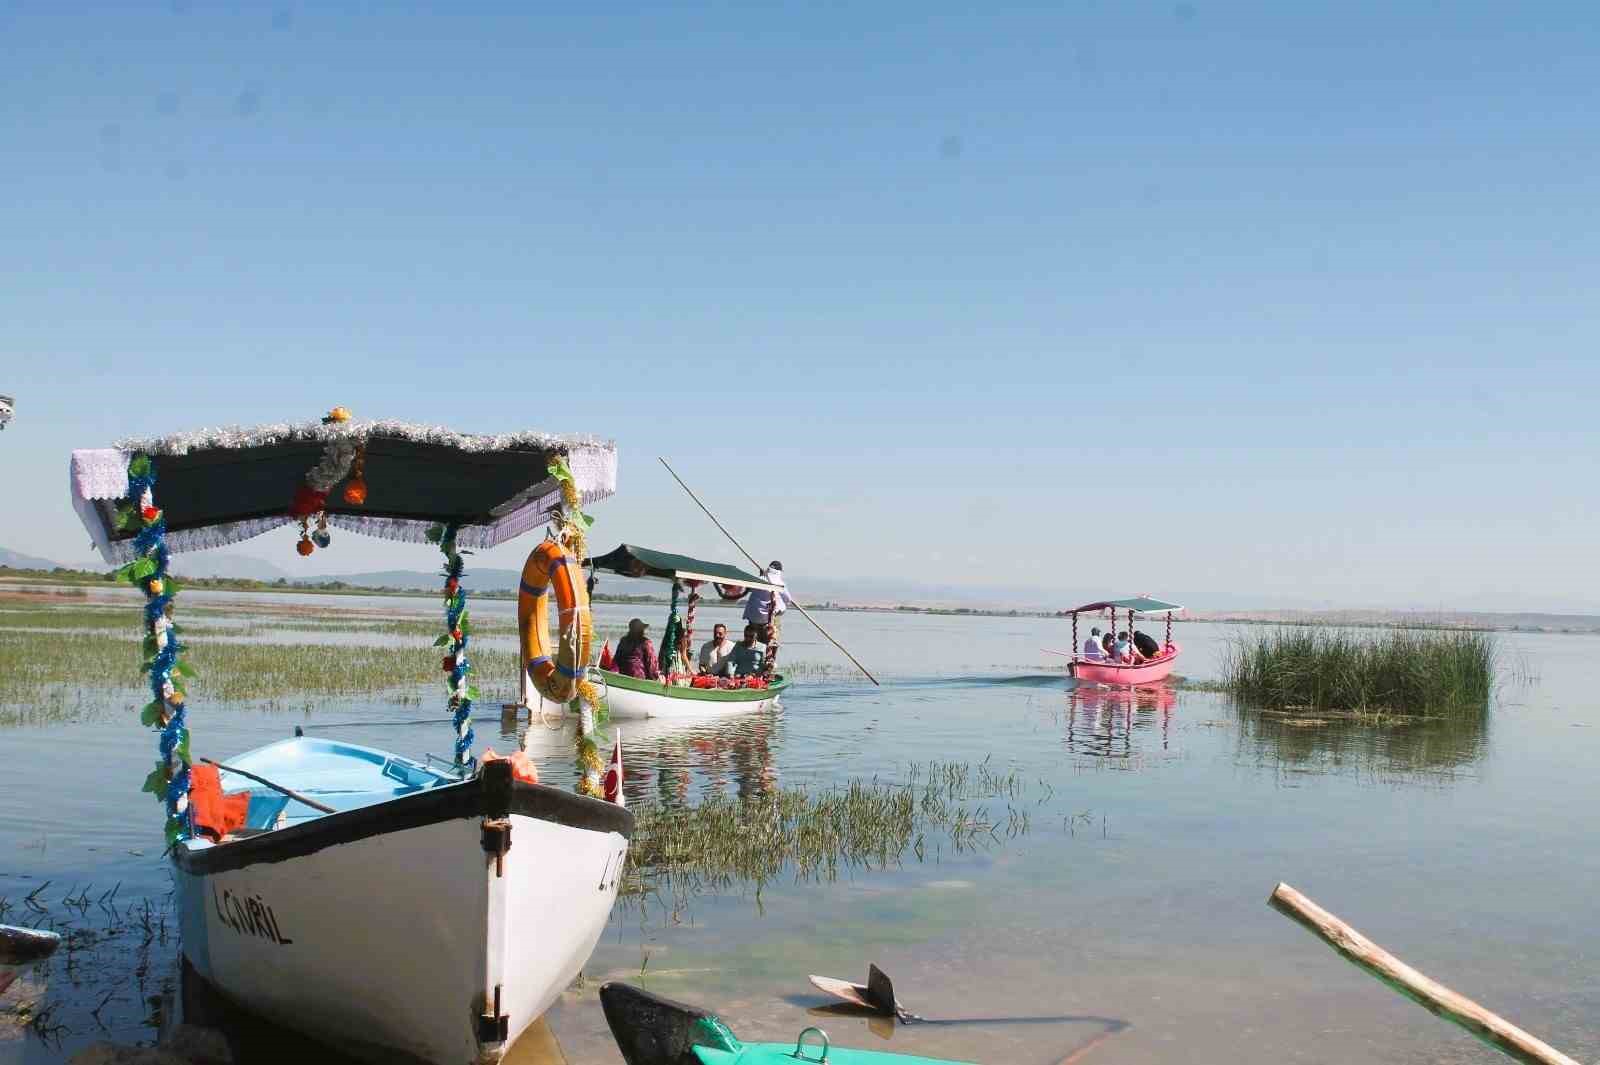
[757,565]
[1429,994]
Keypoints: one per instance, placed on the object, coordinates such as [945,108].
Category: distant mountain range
[875,592]
[17,560]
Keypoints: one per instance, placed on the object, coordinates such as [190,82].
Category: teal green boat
[651,1030]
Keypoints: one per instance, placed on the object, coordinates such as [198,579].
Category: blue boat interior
[345,776]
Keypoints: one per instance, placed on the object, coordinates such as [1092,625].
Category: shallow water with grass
[1029,856]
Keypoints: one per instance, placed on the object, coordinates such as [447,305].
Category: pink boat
[1091,669]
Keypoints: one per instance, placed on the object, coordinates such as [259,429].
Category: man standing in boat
[763,602]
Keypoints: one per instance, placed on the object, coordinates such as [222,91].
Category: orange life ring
[555,671]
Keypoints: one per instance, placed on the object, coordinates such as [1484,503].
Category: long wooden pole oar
[1429,994]
[295,795]
[757,565]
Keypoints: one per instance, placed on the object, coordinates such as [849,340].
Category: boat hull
[1090,671]
[630,697]
[399,931]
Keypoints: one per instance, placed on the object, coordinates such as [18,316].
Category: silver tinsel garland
[234,437]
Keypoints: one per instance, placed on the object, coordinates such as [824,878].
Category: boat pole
[757,565]
[295,795]
[1429,994]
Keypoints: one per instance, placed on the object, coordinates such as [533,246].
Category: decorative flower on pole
[167,711]
[458,628]
[572,529]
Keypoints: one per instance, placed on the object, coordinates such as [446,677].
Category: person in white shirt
[755,609]
[716,650]
[1091,646]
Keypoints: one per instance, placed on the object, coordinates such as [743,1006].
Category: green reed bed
[814,835]
[48,673]
[1395,671]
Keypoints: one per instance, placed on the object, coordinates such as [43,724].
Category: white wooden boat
[430,918]
[691,695]
[400,911]
[631,697]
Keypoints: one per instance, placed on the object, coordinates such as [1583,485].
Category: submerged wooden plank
[1426,992]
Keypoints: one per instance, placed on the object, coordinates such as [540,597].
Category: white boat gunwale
[493,793]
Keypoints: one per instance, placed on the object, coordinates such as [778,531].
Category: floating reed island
[1393,671]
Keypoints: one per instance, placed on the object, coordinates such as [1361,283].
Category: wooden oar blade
[880,990]
[854,994]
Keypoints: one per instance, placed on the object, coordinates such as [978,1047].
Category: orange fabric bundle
[522,767]
[215,814]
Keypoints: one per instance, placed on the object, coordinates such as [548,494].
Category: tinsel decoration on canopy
[169,781]
[340,457]
[458,628]
[572,530]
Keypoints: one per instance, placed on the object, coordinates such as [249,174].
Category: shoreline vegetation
[1400,672]
[66,657]
[1406,620]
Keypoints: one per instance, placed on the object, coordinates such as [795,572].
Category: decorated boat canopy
[221,486]
[1139,605]
[631,561]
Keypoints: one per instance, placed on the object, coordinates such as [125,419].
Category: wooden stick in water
[757,565]
[1429,994]
[295,795]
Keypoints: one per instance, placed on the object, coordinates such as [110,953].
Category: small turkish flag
[606,661]
[613,778]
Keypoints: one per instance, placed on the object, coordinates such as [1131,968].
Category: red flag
[606,661]
[613,778]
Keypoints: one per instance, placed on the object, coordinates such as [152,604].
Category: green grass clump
[678,853]
[44,676]
[1396,671]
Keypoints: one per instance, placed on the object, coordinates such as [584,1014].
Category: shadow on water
[1386,747]
[255,1041]
[1122,727]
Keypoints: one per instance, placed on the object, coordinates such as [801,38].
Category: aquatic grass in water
[682,852]
[1396,671]
[43,676]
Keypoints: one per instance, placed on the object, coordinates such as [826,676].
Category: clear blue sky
[1288,301]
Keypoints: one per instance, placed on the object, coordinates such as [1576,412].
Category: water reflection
[255,1041]
[673,762]
[1105,723]
[1411,748]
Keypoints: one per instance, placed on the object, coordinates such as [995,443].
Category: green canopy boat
[681,694]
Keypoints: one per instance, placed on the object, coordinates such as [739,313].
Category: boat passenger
[760,601]
[1108,644]
[681,672]
[745,661]
[1091,646]
[1122,650]
[715,650]
[635,657]
[1146,644]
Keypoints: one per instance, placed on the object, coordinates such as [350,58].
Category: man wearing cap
[761,601]
[635,657]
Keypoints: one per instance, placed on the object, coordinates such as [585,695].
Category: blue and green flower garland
[169,781]
[458,627]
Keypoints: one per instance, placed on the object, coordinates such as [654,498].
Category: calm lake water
[1156,826]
